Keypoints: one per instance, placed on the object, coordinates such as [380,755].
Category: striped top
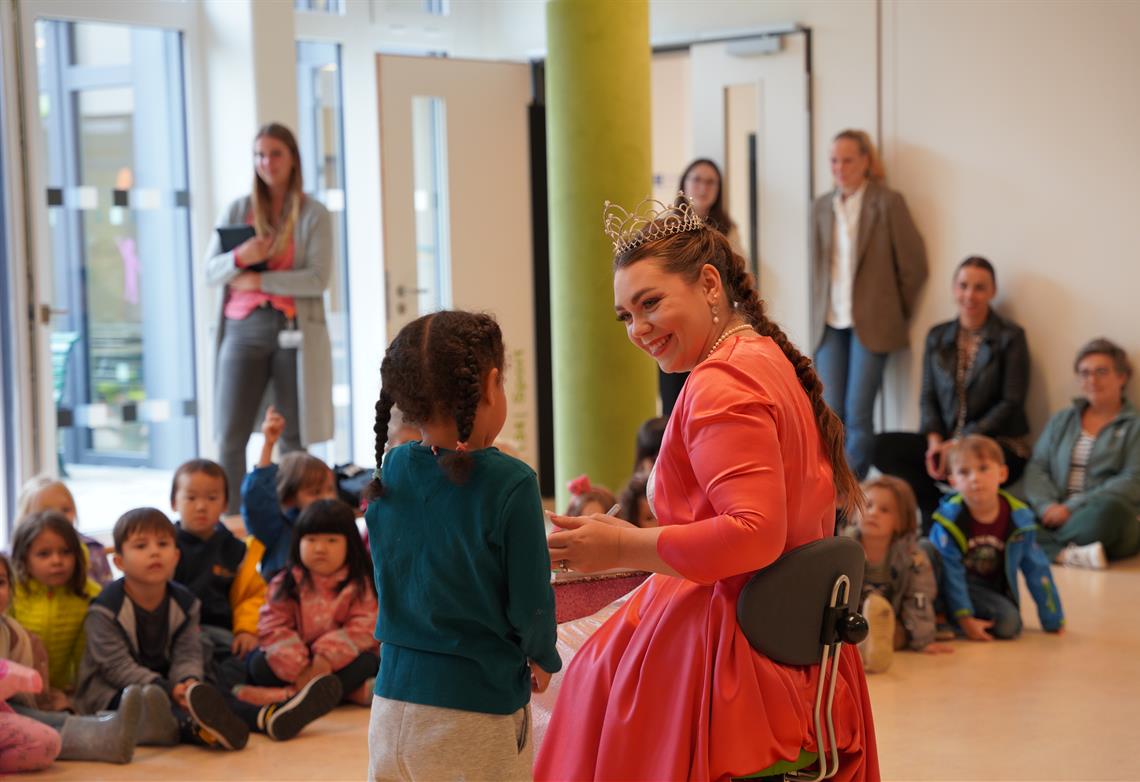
[1080,460]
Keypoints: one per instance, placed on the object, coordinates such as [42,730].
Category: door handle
[47,311]
[402,290]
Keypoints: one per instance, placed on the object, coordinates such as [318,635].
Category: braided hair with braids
[686,254]
[435,368]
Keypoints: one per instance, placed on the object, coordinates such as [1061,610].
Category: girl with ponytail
[457,537]
[751,466]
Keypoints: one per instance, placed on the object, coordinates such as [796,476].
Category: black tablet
[233,235]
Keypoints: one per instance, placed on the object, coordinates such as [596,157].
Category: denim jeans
[988,603]
[852,376]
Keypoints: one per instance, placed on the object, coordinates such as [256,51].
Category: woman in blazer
[868,265]
[271,333]
[975,375]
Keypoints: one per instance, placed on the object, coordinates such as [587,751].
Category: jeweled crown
[648,221]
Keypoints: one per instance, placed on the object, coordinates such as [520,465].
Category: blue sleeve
[952,583]
[1039,580]
[259,506]
[530,598]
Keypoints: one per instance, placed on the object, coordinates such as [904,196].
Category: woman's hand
[602,518]
[254,250]
[586,544]
[936,449]
[1055,515]
[246,281]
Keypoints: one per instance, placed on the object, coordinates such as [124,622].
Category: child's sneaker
[285,720]
[1090,556]
[218,724]
[878,648]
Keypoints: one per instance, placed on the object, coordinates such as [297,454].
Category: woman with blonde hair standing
[271,329]
[868,265]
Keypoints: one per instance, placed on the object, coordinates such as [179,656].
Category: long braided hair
[686,253]
[435,367]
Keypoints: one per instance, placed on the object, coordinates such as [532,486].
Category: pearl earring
[715,314]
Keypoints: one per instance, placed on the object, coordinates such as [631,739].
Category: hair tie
[460,447]
[376,473]
[579,485]
[435,450]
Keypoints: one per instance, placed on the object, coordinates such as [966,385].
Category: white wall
[1012,129]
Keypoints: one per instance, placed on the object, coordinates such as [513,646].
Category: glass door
[113,141]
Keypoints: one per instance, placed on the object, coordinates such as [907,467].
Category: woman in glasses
[1084,477]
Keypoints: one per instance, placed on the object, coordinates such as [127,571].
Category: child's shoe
[157,725]
[216,723]
[1091,556]
[110,737]
[878,649]
[285,720]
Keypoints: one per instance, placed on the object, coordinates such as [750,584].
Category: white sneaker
[1090,556]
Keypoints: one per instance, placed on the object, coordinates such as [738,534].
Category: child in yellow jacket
[218,568]
[52,591]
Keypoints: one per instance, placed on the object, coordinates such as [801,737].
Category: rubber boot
[158,727]
[109,738]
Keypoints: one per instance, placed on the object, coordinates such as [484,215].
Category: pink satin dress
[669,688]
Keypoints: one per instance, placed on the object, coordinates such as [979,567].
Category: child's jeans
[988,603]
[351,676]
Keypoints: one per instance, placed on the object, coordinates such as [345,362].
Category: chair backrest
[783,607]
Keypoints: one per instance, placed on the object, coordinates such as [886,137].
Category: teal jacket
[1113,468]
[1021,553]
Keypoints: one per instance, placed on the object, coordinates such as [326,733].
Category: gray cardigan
[306,283]
[1113,468]
[890,268]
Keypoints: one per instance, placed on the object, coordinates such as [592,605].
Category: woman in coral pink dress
[669,688]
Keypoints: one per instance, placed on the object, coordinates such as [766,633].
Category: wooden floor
[1041,708]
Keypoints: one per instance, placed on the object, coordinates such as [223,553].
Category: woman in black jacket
[975,373]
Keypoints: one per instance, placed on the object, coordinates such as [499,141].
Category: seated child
[143,630]
[898,583]
[44,492]
[321,613]
[980,538]
[109,738]
[219,569]
[586,499]
[649,436]
[272,496]
[51,594]
[634,501]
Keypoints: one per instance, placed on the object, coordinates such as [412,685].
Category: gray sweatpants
[248,359]
[408,741]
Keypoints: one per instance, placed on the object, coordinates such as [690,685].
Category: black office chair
[800,610]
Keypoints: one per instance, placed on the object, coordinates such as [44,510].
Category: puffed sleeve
[731,435]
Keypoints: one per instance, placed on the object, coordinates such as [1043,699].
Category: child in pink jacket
[321,613]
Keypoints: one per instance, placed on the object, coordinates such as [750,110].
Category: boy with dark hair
[143,629]
[980,538]
[218,568]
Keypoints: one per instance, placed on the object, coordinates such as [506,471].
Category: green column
[598,148]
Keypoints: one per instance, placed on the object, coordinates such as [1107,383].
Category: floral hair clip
[579,485]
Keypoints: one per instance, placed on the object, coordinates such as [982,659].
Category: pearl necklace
[725,335]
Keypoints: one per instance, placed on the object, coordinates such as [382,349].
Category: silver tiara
[649,220]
